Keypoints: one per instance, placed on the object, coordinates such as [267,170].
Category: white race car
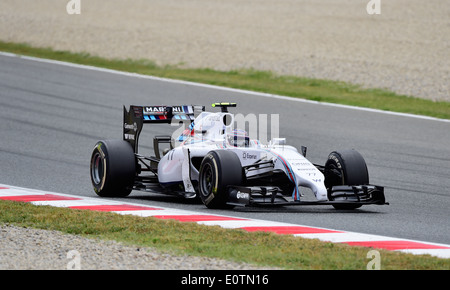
[224,167]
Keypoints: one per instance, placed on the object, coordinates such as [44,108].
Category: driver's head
[238,138]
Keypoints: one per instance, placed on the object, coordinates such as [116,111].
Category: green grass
[253,80]
[259,248]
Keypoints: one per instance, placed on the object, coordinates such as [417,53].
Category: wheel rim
[206,180]
[97,169]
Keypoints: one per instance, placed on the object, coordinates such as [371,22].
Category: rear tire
[113,168]
[346,167]
[218,170]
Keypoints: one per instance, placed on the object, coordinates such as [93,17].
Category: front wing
[355,195]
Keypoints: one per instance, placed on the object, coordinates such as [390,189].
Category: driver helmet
[238,138]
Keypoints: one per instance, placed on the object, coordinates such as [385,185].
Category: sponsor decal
[177,109]
[130,126]
[335,159]
[162,109]
[249,156]
[242,195]
[155,109]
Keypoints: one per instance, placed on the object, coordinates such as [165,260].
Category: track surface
[52,115]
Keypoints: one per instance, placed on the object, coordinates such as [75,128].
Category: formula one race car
[223,166]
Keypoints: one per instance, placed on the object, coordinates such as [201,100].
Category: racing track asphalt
[51,115]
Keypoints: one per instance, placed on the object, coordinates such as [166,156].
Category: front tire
[346,167]
[218,170]
[113,168]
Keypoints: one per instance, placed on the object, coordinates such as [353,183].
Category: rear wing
[135,118]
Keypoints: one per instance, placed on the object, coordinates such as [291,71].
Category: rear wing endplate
[137,116]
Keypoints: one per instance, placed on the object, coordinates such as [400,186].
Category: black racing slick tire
[346,167]
[218,170]
[113,168]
